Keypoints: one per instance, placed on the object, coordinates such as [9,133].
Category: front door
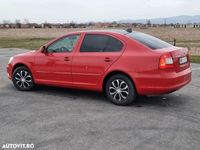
[54,66]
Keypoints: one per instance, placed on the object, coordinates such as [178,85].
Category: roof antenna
[129,30]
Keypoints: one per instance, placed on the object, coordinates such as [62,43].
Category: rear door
[96,54]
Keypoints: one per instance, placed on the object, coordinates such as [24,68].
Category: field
[34,38]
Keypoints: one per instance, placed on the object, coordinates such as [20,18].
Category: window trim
[60,38]
[105,34]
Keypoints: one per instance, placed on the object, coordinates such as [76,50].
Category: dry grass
[25,38]
[165,33]
[169,33]
[35,33]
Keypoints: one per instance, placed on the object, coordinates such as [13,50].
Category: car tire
[23,79]
[120,90]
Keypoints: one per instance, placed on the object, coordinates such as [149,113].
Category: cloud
[94,10]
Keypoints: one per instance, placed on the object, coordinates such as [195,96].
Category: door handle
[66,59]
[107,59]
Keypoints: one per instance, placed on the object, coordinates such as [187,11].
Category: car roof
[122,32]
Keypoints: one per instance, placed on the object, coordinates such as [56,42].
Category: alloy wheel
[119,90]
[23,79]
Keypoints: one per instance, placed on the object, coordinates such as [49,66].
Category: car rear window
[148,40]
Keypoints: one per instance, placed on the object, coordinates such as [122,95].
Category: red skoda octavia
[120,63]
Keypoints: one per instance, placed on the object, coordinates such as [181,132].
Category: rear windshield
[149,41]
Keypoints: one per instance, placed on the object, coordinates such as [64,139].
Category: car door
[54,66]
[96,54]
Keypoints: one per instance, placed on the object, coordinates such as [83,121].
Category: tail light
[166,61]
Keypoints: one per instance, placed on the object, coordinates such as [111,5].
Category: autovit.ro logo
[17,146]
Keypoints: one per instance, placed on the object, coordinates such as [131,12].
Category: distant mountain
[184,19]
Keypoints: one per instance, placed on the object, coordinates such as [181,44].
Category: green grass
[25,43]
[35,43]
[195,59]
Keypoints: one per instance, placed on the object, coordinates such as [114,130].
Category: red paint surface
[88,70]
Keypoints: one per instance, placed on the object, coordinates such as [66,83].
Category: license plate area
[183,60]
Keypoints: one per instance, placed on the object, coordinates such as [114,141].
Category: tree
[18,23]
[5,23]
[149,23]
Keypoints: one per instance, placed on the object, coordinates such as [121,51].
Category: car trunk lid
[180,57]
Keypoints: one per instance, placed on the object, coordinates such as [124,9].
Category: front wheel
[22,79]
[120,90]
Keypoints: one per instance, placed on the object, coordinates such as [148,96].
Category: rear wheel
[22,79]
[120,90]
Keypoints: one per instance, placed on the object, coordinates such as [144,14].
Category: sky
[61,11]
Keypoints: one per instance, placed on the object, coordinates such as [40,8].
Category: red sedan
[120,63]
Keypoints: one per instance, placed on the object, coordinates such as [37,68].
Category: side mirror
[43,49]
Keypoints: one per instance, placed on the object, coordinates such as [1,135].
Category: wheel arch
[20,65]
[110,74]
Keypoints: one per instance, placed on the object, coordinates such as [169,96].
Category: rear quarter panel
[137,62]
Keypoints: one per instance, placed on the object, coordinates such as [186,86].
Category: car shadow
[170,100]
[71,93]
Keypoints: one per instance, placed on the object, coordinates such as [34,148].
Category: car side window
[113,45]
[65,44]
[100,43]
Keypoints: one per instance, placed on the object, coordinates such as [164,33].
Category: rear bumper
[163,83]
